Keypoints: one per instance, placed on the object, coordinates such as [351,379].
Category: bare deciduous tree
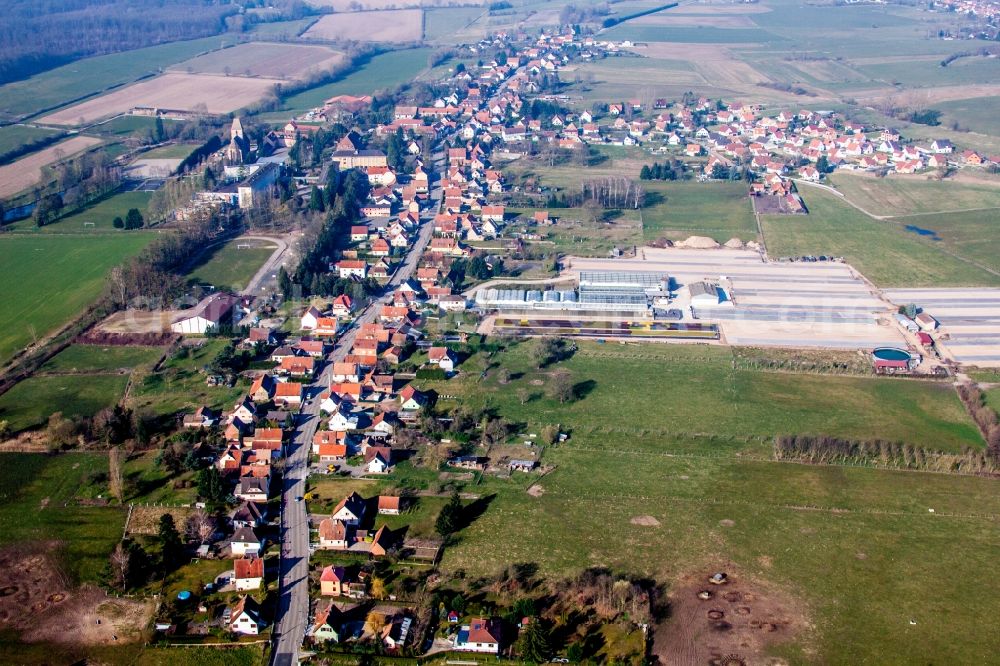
[200,526]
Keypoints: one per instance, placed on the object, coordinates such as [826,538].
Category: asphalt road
[292,618]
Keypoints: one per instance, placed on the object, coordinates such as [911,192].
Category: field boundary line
[738,458]
[771,505]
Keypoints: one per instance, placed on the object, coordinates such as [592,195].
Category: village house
[326,625]
[248,573]
[480,635]
[245,543]
[442,357]
[244,617]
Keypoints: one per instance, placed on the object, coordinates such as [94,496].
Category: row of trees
[613,192]
[670,170]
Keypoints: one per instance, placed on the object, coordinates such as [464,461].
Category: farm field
[698,35]
[219,94]
[718,210]
[30,402]
[96,358]
[83,78]
[627,78]
[883,252]
[926,73]
[13,137]
[75,273]
[229,266]
[261,59]
[627,482]
[27,171]
[399,25]
[899,196]
[450,24]
[100,215]
[386,70]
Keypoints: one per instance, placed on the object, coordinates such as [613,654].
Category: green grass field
[30,402]
[173,151]
[884,252]
[57,276]
[98,217]
[907,196]
[83,78]
[15,136]
[672,390]
[977,115]
[40,503]
[442,24]
[386,70]
[971,235]
[792,525]
[924,73]
[229,267]
[719,210]
[698,35]
[95,358]
[125,125]
[180,386]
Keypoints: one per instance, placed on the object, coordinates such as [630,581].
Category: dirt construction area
[401,25]
[38,604]
[137,322]
[727,624]
[184,92]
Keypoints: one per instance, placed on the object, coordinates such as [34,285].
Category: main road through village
[292,617]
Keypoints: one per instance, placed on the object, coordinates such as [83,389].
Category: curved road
[293,603]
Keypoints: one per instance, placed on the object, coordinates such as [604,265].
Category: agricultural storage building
[707,294]
[208,314]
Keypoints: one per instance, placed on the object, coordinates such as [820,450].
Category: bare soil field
[152,167]
[733,626]
[146,519]
[130,322]
[259,59]
[25,172]
[401,25]
[174,90]
[38,603]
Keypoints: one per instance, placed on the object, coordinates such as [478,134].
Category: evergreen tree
[316,202]
[645,173]
[133,219]
[533,643]
[159,131]
[447,522]
[118,223]
[210,485]
[171,546]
